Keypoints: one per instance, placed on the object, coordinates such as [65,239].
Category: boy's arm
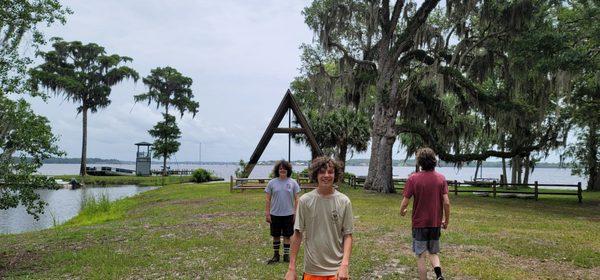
[268,209]
[343,273]
[295,202]
[295,246]
[404,206]
[446,211]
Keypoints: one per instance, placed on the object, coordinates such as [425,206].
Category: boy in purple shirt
[431,210]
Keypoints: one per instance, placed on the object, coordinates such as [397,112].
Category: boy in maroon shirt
[430,191]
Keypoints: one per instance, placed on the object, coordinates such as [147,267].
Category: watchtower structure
[143,159]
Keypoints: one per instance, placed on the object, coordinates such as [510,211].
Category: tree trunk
[82,167]
[593,165]
[513,169]
[503,181]
[503,163]
[341,156]
[519,170]
[383,137]
[476,170]
[373,161]
[164,171]
[527,162]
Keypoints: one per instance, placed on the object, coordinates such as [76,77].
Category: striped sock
[276,247]
[286,249]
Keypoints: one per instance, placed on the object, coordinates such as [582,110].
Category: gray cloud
[241,55]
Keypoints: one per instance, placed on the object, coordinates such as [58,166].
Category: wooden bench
[359,182]
[261,183]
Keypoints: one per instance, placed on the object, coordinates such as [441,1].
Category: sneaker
[440,278]
[273,260]
[286,258]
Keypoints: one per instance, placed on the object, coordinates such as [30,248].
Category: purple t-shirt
[428,189]
[283,193]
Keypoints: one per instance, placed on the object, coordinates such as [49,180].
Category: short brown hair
[286,165]
[426,159]
[324,162]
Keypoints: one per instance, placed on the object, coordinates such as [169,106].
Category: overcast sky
[241,54]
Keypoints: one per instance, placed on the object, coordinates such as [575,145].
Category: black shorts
[282,226]
[426,239]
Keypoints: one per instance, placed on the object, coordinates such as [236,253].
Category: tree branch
[444,155]
[348,55]
[405,40]
[385,15]
[396,15]
[419,55]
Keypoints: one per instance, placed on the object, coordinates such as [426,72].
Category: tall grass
[90,205]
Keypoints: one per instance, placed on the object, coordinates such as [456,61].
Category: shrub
[239,172]
[201,175]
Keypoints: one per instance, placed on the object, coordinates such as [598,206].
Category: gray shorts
[426,239]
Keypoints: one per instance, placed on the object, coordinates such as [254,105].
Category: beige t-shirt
[323,220]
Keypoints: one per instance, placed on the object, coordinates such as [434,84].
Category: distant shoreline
[351,162]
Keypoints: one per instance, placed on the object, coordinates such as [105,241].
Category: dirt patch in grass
[542,267]
[390,268]
[225,214]
[21,260]
[195,202]
[393,245]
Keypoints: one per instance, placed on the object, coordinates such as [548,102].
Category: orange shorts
[307,276]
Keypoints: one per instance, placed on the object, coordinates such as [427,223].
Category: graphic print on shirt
[335,215]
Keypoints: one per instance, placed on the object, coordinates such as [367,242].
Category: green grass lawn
[205,232]
[128,180]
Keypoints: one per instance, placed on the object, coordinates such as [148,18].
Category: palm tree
[168,88]
[83,74]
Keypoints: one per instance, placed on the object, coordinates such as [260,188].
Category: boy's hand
[268,218]
[290,275]
[403,211]
[444,224]
[342,273]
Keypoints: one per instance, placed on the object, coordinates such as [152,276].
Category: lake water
[542,175]
[62,205]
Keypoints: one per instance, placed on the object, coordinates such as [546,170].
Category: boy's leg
[287,232]
[286,249]
[276,245]
[276,234]
[420,250]
[433,247]
[422,266]
[434,259]
[435,263]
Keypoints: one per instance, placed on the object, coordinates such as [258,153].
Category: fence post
[230,183]
[502,180]
[536,190]
[494,187]
[455,187]
[579,192]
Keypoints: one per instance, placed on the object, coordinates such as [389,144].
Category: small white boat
[71,185]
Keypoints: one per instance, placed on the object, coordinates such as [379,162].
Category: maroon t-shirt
[428,189]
